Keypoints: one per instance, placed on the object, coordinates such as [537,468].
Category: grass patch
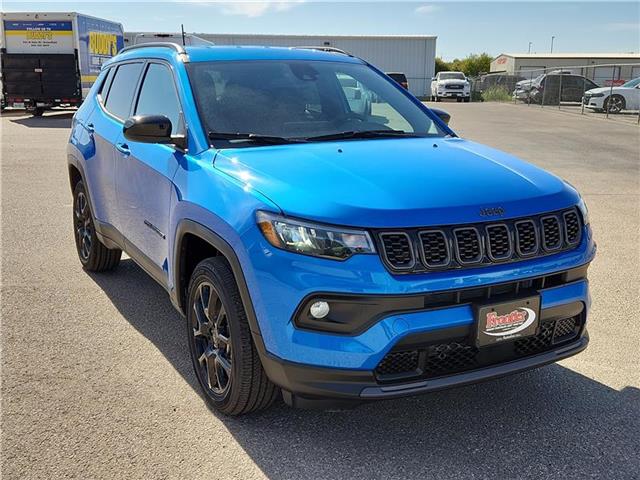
[496,94]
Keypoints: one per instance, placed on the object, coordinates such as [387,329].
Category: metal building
[600,67]
[414,55]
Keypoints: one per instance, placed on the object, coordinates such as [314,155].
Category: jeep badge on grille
[492,212]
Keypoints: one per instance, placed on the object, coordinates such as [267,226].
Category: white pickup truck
[450,85]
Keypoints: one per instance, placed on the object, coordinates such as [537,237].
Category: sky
[461,27]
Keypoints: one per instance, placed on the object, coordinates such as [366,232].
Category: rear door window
[123,86]
[158,96]
[104,88]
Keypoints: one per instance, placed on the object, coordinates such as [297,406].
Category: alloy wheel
[615,104]
[84,234]
[212,339]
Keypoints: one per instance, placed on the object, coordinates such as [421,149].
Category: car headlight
[584,211]
[595,94]
[313,239]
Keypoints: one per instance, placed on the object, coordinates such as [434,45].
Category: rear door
[106,121]
[144,173]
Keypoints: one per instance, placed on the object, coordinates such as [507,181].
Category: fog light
[319,309]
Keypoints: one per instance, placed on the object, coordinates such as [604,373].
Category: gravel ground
[97,381]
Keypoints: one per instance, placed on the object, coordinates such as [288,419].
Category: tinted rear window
[122,89]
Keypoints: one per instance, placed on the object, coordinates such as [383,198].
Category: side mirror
[433,79]
[152,129]
[444,116]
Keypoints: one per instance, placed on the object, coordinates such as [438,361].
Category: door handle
[123,148]
[90,128]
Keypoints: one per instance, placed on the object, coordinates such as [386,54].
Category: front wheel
[93,254]
[467,99]
[437,98]
[614,104]
[224,357]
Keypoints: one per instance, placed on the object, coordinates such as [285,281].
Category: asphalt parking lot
[97,380]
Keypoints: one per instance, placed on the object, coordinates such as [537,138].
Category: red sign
[501,60]
[615,83]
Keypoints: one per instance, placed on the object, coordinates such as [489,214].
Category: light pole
[530,43]
[552,39]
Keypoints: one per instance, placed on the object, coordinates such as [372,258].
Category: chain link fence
[611,91]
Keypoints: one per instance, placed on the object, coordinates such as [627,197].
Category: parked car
[450,85]
[334,256]
[616,99]
[554,89]
[522,90]
[401,78]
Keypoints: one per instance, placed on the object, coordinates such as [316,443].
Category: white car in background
[616,99]
[450,85]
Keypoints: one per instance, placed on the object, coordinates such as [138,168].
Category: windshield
[451,76]
[632,83]
[300,100]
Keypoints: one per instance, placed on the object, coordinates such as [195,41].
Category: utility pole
[530,43]
[552,39]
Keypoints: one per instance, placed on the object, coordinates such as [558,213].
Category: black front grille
[468,246]
[526,238]
[551,237]
[435,248]
[449,357]
[454,87]
[398,250]
[460,246]
[572,227]
[398,362]
[499,242]
[461,355]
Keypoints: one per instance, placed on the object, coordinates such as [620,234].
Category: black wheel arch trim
[187,226]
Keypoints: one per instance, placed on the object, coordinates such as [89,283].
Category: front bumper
[593,102]
[453,93]
[313,364]
[306,386]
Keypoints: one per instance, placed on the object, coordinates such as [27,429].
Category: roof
[570,55]
[233,52]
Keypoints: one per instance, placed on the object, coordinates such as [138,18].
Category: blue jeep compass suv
[324,233]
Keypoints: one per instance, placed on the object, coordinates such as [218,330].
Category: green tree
[472,65]
[441,65]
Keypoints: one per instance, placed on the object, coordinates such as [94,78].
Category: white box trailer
[52,59]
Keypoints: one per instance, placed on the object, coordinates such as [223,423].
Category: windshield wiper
[361,134]
[253,137]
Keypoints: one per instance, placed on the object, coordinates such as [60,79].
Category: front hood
[599,90]
[452,82]
[395,182]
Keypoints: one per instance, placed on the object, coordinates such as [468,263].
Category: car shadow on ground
[550,422]
[54,119]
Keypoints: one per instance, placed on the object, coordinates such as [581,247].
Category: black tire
[458,100]
[38,112]
[433,99]
[437,98]
[219,338]
[93,254]
[467,99]
[614,104]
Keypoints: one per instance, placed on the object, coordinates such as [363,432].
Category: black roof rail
[178,48]
[325,49]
